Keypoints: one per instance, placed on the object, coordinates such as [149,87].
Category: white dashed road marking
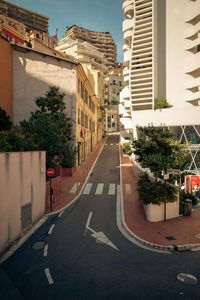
[111,190]
[75,188]
[99,189]
[51,229]
[45,250]
[87,188]
[60,214]
[48,275]
[128,189]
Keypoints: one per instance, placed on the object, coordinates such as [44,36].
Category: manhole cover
[187,279]
[38,245]
[170,238]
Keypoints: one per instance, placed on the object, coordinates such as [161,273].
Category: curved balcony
[192,30]
[192,12]
[191,44]
[126,76]
[127,25]
[192,62]
[128,37]
[127,3]
[192,96]
[192,83]
[127,58]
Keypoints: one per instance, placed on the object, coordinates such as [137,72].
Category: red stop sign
[50,172]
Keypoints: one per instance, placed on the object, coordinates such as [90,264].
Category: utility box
[187,207]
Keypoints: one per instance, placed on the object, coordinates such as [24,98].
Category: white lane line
[111,144]
[45,250]
[128,189]
[75,188]
[89,219]
[106,144]
[87,188]
[51,229]
[48,275]
[60,214]
[111,190]
[99,189]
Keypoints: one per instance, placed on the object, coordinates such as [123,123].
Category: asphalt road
[87,257]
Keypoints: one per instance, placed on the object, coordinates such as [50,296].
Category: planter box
[68,172]
[155,213]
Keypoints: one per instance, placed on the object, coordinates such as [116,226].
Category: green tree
[5,123]
[13,140]
[161,103]
[49,128]
[157,150]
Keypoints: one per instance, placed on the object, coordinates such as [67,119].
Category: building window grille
[82,118]
[79,116]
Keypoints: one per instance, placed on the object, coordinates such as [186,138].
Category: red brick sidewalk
[183,228]
[78,179]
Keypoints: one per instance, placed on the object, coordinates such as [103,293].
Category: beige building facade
[23,188]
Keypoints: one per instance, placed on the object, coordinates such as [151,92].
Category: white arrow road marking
[99,236]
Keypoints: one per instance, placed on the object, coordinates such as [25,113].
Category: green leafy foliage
[155,192]
[5,123]
[69,159]
[161,103]
[49,128]
[13,140]
[126,147]
[157,150]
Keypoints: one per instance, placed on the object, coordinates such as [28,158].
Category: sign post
[50,173]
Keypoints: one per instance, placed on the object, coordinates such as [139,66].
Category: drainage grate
[38,245]
[170,238]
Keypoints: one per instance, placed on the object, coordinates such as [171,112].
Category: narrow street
[84,256]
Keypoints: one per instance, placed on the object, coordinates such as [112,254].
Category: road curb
[139,241]
[77,196]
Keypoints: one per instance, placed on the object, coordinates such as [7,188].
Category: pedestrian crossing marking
[87,188]
[99,189]
[111,144]
[128,189]
[75,188]
[111,190]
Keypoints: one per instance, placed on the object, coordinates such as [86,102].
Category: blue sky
[97,15]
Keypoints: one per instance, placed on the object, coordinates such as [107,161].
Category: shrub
[5,123]
[126,148]
[155,192]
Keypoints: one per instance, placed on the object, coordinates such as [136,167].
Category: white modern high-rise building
[162,60]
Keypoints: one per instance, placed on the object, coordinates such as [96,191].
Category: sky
[96,15]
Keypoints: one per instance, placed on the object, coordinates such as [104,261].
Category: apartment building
[161,58]
[103,41]
[84,52]
[26,23]
[113,86]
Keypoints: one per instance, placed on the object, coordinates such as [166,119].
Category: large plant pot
[68,172]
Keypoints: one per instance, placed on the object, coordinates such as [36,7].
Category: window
[82,90]
[79,116]
[79,86]
[114,82]
[120,83]
[114,91]
[86,121]
[86,96]
[37,36]
[82,118]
